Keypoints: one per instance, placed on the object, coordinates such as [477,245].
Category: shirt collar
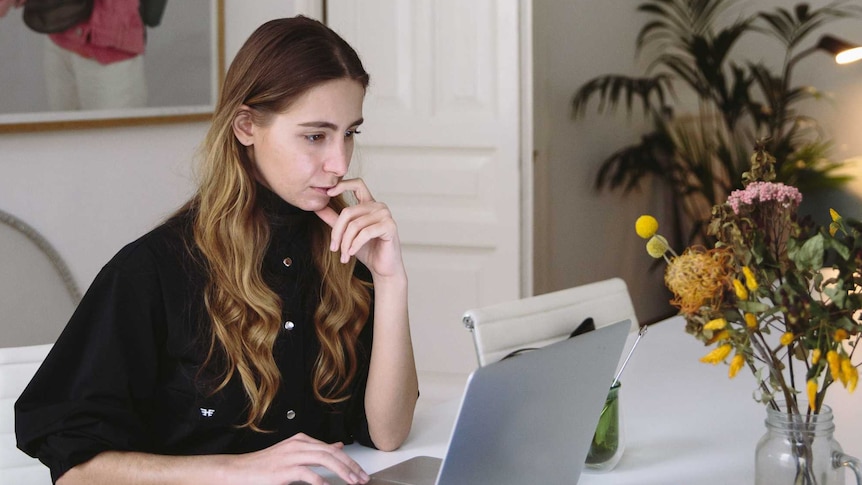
[279,211]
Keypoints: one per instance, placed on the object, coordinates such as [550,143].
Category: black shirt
[124,373]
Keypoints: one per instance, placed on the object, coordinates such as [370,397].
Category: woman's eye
[350,133]
[314,138]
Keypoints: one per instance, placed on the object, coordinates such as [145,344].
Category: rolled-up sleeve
[92,391]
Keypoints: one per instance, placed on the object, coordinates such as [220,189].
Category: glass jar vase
[608,443]
[798,449]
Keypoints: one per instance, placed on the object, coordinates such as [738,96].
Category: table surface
[684,421]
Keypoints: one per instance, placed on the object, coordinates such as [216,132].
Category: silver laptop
[526,419]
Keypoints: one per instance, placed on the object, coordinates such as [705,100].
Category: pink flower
[760,192]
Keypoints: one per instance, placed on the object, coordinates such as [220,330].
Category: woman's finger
[357,186]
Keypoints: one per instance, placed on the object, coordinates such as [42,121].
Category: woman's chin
[315,204]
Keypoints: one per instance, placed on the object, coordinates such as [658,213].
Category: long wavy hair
[279,62]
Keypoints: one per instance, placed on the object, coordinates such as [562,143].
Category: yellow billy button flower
[811,387]
[750,321]
[646,226]
[715,324]
[656,246]
[815,356]
[717,355]
[740,290]
[834,364]
[736,364]
[750,280]
[840,335]
[786,339]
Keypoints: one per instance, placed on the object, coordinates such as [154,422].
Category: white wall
[583,236]
[89,192]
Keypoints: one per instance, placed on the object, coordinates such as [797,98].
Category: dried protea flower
[698,278]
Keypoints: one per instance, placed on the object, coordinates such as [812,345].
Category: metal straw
[641,333]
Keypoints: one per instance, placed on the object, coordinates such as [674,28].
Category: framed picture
[183,65]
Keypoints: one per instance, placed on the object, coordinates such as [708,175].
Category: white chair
[17,366]
[37,297]
[532,322]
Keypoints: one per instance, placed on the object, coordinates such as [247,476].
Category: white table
[685,422]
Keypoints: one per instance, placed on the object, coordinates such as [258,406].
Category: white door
[441,147]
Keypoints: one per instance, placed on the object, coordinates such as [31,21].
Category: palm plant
[702,156]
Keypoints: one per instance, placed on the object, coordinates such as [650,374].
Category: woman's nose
[338,159]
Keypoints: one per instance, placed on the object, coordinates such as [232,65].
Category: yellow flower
[840,335]
[836,218]
[750,280]
[715,324]
[852,379]
[847,371]
[811,387]
[740,290]
[815,356]
[657,246]
[646,226]
[834,364]
[736,364]
[786,339]
[717,355]
[723,335]
[751,320]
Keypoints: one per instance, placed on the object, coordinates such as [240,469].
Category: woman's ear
[243,126]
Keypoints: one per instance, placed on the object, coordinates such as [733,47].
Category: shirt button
[287,262]
[288,325]
[291,414]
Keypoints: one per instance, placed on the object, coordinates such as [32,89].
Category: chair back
[17,366]
[536,321]
[37,291]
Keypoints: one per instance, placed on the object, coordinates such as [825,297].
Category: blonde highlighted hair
[279,62]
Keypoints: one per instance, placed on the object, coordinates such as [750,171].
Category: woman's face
[306,150]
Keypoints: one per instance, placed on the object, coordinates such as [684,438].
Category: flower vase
[799,449]
[607,446]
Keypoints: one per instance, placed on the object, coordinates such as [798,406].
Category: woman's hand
[366,230]
[285,462]
[291,460]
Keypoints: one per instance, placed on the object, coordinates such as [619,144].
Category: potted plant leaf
[699,152]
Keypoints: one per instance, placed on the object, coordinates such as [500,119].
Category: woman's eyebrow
[327,124]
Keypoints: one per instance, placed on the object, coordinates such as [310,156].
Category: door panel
[440,146]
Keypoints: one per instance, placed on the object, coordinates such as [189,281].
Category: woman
[233,343]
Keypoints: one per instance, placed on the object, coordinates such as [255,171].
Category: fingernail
[365,476]
[353,478]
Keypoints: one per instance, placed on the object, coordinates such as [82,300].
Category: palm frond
[652,92]
[792,27]
[627,167]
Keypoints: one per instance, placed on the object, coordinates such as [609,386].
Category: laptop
[526,419]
